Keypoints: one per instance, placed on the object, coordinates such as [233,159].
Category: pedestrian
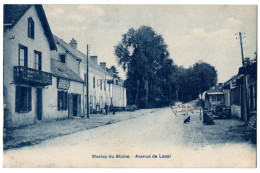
[106,108]
[114,110]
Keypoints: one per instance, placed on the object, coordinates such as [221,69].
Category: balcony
[25,75]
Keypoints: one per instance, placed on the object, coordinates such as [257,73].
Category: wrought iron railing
[25,75]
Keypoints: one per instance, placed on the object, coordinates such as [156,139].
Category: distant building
[101,89]
[118,93]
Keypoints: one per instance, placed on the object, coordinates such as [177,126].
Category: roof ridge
[81,53]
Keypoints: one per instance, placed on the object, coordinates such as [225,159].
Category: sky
[192,32]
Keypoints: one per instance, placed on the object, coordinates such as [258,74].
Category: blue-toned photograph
[129,86]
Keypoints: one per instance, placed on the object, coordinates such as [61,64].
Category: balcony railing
[25,75]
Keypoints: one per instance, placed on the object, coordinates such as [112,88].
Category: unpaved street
[159,134]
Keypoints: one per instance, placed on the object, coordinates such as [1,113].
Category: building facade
[103,88]
[27,45]
[241,92]
[45,77]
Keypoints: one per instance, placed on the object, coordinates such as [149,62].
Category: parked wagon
[213,102]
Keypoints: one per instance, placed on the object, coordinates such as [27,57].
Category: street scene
[98,86]
[144,133]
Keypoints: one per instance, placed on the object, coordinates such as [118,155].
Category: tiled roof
[13,13]
[78,55]
[60,69]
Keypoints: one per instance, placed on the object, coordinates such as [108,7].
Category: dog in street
[187,120]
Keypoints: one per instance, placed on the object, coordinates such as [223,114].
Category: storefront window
[62,100]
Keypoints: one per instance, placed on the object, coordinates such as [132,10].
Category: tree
[141,52]
[204,76]
[115,72]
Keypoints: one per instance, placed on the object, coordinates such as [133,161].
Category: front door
[75,103]
[70,106]
[39,103]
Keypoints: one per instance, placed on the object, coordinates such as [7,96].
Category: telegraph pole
[87,85]
[241,45]
[244,97]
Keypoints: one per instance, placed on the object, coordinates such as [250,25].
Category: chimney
[73,43]
[94,58]
[110,71]
[103,65]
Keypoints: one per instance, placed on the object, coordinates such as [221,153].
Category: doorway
[75,101]
[74,105]
[39,103]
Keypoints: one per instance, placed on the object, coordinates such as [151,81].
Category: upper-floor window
[100,84]
[116,82]
[23,56]
[94,82]
[105,86]
[62,58]
[37,60]
[30,28]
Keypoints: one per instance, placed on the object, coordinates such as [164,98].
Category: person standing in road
[106,108]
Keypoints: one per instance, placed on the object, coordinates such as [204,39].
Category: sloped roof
[60,69]
[14,12]
[78,55]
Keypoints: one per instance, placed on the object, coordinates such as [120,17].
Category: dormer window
[30,28]
[62,58]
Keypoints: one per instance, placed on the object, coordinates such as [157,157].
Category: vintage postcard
[129,86]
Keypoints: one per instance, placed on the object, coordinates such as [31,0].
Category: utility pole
[87,85]
[244,97]
[241,45]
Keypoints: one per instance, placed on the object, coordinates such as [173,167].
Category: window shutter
[40,62]
[66,100]
[79,105]
[32,29]
[63,100]
[58,98]
[26,57]
[29,90]
[17,98]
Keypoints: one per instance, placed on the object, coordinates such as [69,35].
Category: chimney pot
[94,58]
[103,65]
[73,43]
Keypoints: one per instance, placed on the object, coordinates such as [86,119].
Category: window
[23,56]
[219,97]
[105,86]
[23,99]
[116,82]
[94,82]
[214,98]
[91,100]
[30,28]
[37,60]
[62,100]
[100,84]
[62,58]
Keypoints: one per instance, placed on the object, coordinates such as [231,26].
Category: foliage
[153,79]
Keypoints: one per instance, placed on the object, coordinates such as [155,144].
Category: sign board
[63,84]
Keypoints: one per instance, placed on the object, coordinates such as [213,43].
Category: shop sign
[63,84]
